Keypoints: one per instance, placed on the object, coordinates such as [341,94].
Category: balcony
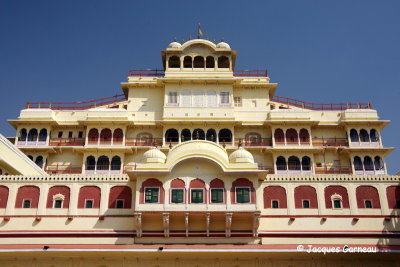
[105,142]
[31,143]
[64,169]
[144,142]
[268,168]
[333,142]
[99,169]
[67,142]
[367,143]
[332,169]
[253,142]
[368,170]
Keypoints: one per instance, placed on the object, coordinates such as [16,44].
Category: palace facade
[198,164]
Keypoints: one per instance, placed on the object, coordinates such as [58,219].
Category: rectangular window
[238,101]
[60,134]
[242,195]
[119,204]
[186,99]
[27,204]
[177,195]
[151,195]
[198,100]
[337,204]
[69,134]
[197,196]
[172,98]
[275,204]
[89,204]
[306,204]
[217,195]
[397,203]
[224,97]
[80,134]
[58,204]
[368,204]
[211,99]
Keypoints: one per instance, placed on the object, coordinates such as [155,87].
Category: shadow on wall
[391,222]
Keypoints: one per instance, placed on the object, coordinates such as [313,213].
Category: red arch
[93,135]
[243,182]
[305,192]
[105,136]
[304,136]
[63,190]
[217,183]
[279,136]
[336,189]
[367,192]
[177,183]
[28,192]
[291,136]
[118,136]
[152,183]
[89,192]
[195,184]
[3,196]
[275,193]
[120,192]
[393,196]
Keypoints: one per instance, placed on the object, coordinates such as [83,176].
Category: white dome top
[154,155]
[241,155]
[223,45]
[174,45]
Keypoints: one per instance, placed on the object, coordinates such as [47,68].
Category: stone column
[351,191]
[41,210]
[73,200]
[104,197]
[12,196]
[383,199]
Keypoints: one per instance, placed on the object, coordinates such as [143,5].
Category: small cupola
[241,155]
[154,155]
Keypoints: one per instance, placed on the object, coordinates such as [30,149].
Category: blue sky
[320,51]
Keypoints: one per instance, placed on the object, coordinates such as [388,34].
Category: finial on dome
[190,37]
[174,39]
[207,37]
[199,32]
[222,39]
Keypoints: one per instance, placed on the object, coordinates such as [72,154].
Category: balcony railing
[31,142]
[80,105]
[365,143]
[67,142]
[270,169]
[103,169]
[144,141]
[336,142]
[161,73]
[332,169]
[320,106]
[253,142]
[64,169]
[294,169]
[105,142]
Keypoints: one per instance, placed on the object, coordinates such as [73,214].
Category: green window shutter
[58,204]
[275,204]
[27,204]
[151,195]
[217,195]
[177,196]
[242,195]
[197,196]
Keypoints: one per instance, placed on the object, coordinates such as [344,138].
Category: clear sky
[317,50]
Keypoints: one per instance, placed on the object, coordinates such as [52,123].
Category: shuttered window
[151,195]
[242,195]
[197,196]
[224,97]
[186,99]
[217,195]
[211,99]
[198,99]
[172,98]
[177,196]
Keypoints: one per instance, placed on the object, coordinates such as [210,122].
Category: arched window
[103,163]
[374,135]
[217,191]
[198,62]
[3,196]
[116,163]
[393,196]
[105,136]
[211,135]
[364,136]
[58,197]
[186,135]
[335,192]
[225,136]
[294,163]
[177,191]
[22,135]
[198,192]
[378,163]
[120,197]
[27,197]
[39,161]
[305,193]
[90,163]
[118,136]
[89,197]
[279,136]
[152,191]
[223,62]
[306,163]
[171,136]
[198,134]
[210,62]
[174,62]
[32,135]
[187,62]
[30,157]
[281,164]
[93,136]
[304,136]
[368,165]
[358,166]
[291,136]
[275,197]
[242,191]
[144,139]
[252,139]
[367,197]
[43,135]
[354,135]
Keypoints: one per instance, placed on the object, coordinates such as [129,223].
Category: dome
[223,45]
[241,155]
[174,45]
[154,155]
